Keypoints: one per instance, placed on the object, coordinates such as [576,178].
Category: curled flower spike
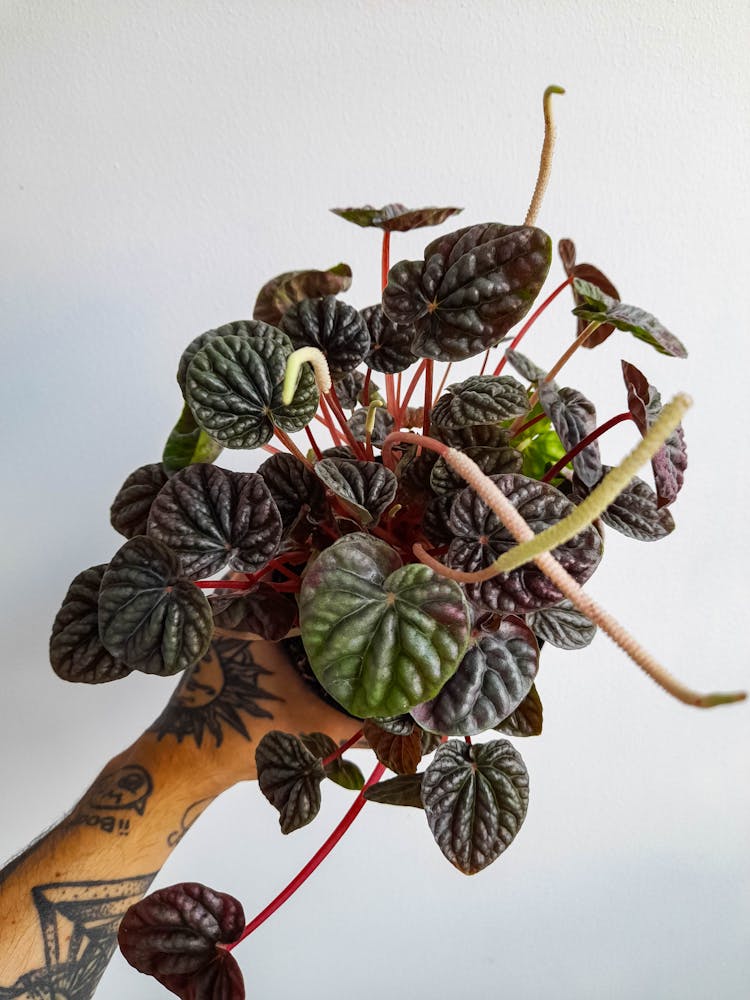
[295,361]
[545,162]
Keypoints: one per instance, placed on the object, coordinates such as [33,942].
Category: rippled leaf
[75,649]
[574,417]
[525,366]
[333,326]
[475,798]
[597,305]
[527,718]
[285,290]
[472,435]
[395,217]
[188,444]
[398,725]
[239,328]
[129,511]
[492,679]
[384,424]
[367,488]
[563,626]
[289,776]
[390,345]
[380,637]
[348,389]
[403,790]
[436,523]
[400,752]
[480,399]
[471,288]
[261,611]
[491,461]
[150,616]
[634,512]
[566,249]
[293,485]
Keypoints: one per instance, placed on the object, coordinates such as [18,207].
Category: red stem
[529,423]
[320,855]
[224,584]
[427,398]
[558,466]
[342,749]
[313,443]
[385,258]
[291,446]
[327,419]
[410,391]
[530,322]
[338,412]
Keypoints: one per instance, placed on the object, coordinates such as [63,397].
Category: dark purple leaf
[293,486]
[480,399]
[349,387]
[527,718]
[399,752]
[130,508]
[403,790]
[289,776]
[367,488]
[567,251]
[598,306]
[390,345]
[472,435]
[563,626]
[282,292]
[399,725]
[635,512]
[395,218]
[384,424]
[436,523]
[333,326]
[574,418]
[491,461]
[262,611]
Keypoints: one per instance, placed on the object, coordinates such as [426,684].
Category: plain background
[160,161]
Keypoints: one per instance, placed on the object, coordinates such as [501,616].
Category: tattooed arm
[61,901]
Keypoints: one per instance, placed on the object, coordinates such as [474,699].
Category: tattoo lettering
[79,922]
[113,796]
[189,817]
[212,696]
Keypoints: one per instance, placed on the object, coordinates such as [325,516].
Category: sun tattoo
[212,696]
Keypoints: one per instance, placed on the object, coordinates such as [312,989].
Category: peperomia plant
[422,543]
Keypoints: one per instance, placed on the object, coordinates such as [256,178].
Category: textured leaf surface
[262,611]
[384,424]
[563,626]
[635,513]
[573,417]
[403,790]
[400,752]
[349,387]
[491,461]
[239,328]
[293,486]
[150,616]
[479,538]
[285,290]
[234,388]
[527,718]
[471,288]
[597,305]
[588,272]
[390,345]
[289,776]
[493,678]
[525,367]
[213,518]
[491,436]
[395,217]
[475,798]
[343,772]
[380,637]
[75,649]
[129,511]
[480,399]
[367,487]
[333,326]
[187,444]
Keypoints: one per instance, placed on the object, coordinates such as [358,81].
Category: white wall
[160,160]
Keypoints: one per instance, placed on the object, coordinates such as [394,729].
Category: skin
[101,858]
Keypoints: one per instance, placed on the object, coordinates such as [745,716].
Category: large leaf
[479,538]
[150,616]
[480,435]
[634,512]
[285,290]
[333,326]
[475,798]
[395,218]
[343,772]
[390,345]
[75,649]
[574,417]
[130,508]
[234,388]
[239,328]
[403,790]
[471,288]
[262,611]
[380,637]
[213,518]
[175,935]
[563,626]
[400,752]
[187,444]
[598,306]
[527,718]
[480,399]
[566,249]
[289,776]
[293,486]
[493,678]
[367,488]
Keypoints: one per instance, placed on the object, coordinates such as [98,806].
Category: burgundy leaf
[566,249]
[395,218]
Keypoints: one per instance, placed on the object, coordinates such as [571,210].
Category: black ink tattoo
[79,922]
[211,697]
[189,817]
[112,797]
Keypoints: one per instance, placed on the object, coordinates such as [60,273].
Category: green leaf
[333,326]
[234,388]
[400,752]
[289,776]
[403,790]
[600,307]
[563,626]
[390,345]
[282,292]
[527,718]
[475,799]
[395,218]
[480,399]
[188,444]
[540,446]
[566,249]
[239,328]
[367,488]
[471,288]
[75,649]
[213,518]
[380,637]
[342,772]
[129,511]
[150,616]
[574,417]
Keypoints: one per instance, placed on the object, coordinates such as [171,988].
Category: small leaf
[599,306]
[525,366]
[527,718]
[75,649]
[342,772]
[150,616]
[403,790]
[367,488]
[384,424]
[635,513]
[399,752]
[174,933]
[395,218]
[282,292]
[188,444]
[574,418]
[471,288]
[293,486]
[213,518]
[289,776]
[390,345]
[480,399]
[129,511]
[493,678]
[475,799]
[333,326]
[563,626]
[348,389]
[566,249]
[261,611]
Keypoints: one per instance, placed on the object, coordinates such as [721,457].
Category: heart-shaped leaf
[395,218]
[130,508]
[403,790]
[563,626]
[566,249]
[213,518]
[367,488]
[493,678]
[574,418]
[333,326]
[479,538]
[597,305]
[471,288]
[491,436]
[527,718]
[262,611]
[349,388]
[634,512]
[670,461]
[390,345]
[381,637]
[525,367]
[491,461]
[384,424]
[293,486]
[175,934]
[150,616]
[234,388]
[239,328]
[480,399]
[400,752]
[75,649]
[282,292]
[188,444]
[398,725]
[342,772]
[289,776]
[475,798]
